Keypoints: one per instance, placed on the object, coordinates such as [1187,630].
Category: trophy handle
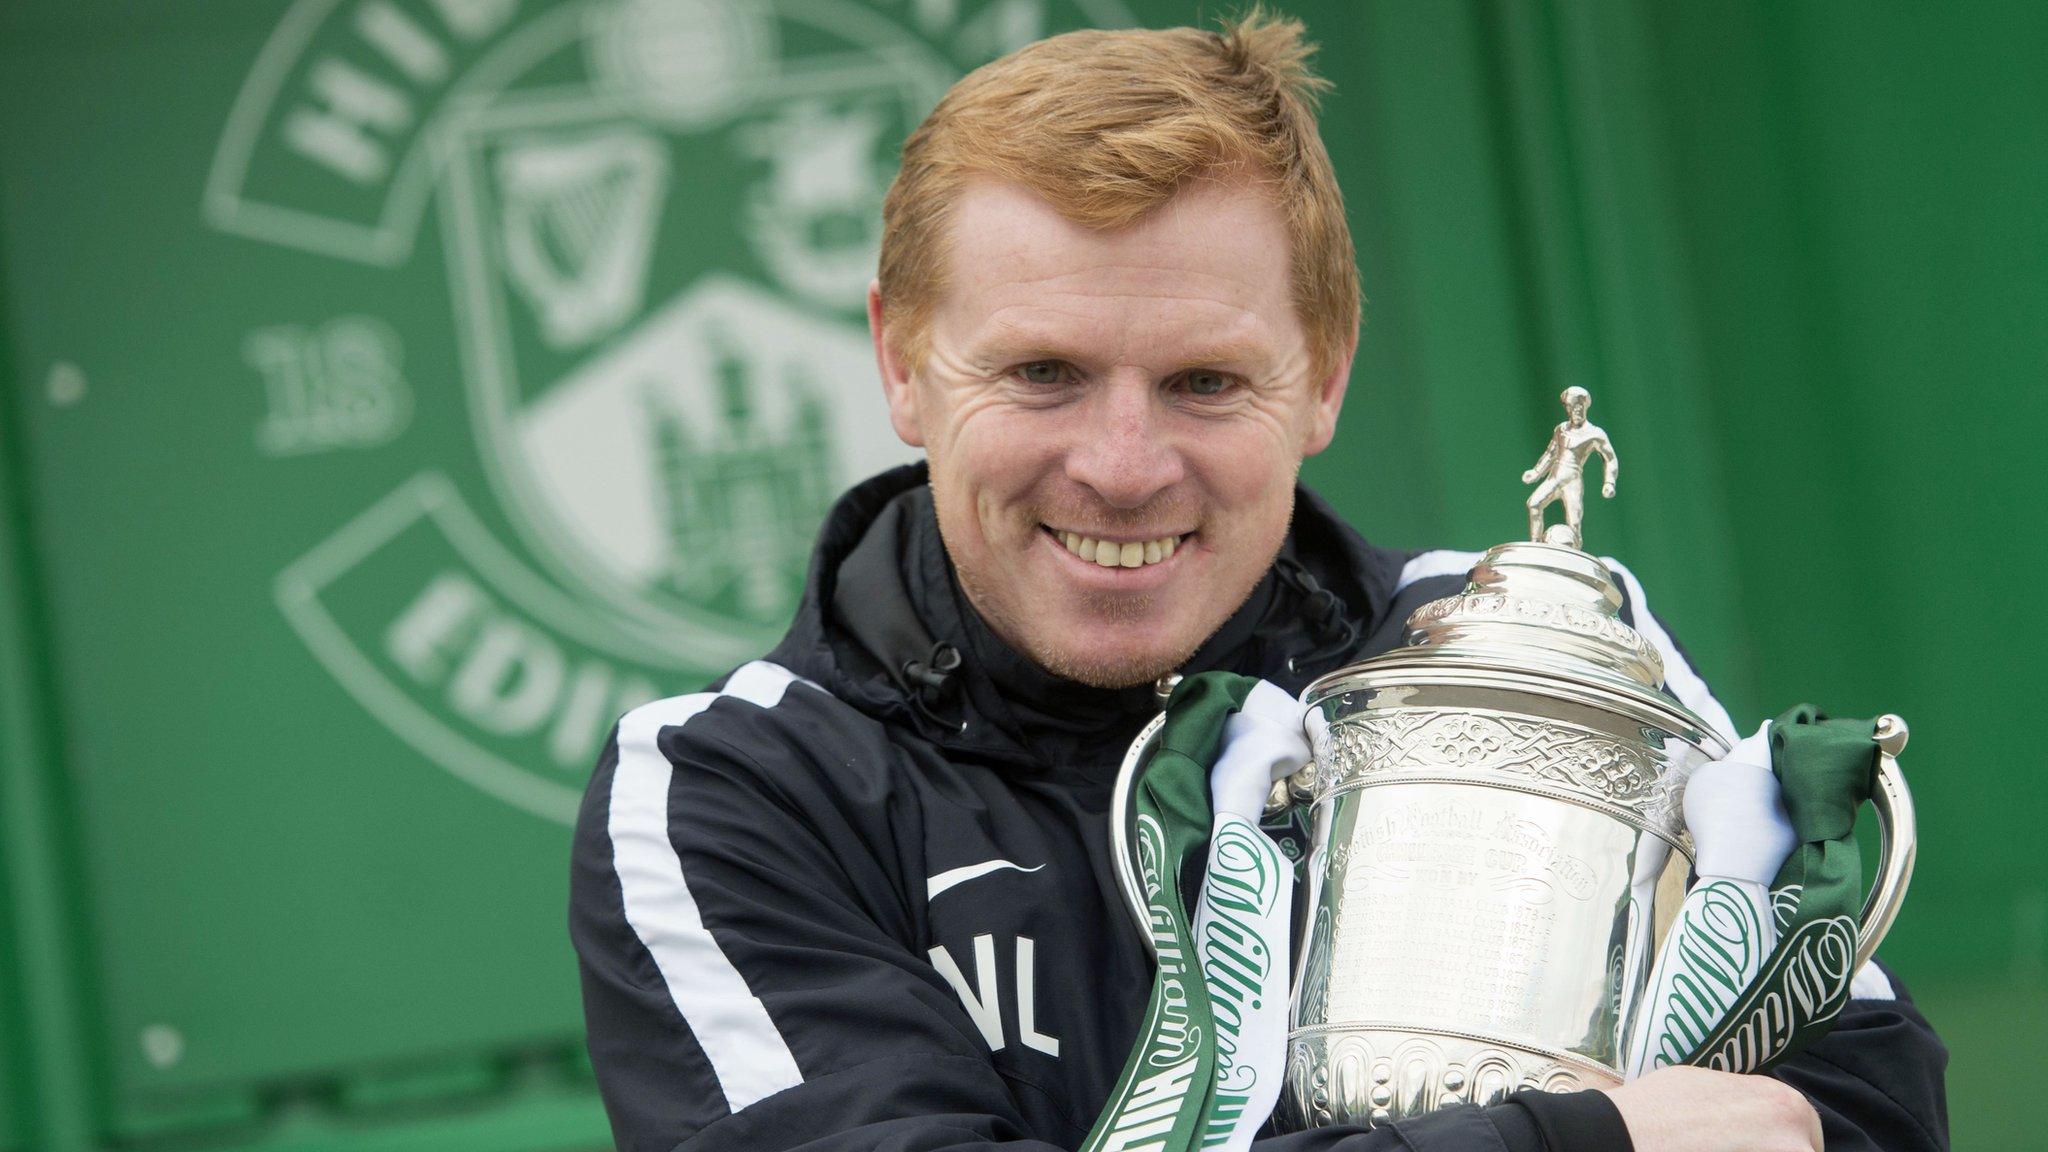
[1295,789]
[1122,814]
[1897,841]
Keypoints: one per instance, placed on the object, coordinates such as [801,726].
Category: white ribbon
[1726,927]
[1243,917]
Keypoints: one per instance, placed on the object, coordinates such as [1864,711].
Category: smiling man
[859,896]
[1114,417]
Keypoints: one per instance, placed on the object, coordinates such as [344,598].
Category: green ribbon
[1164,1097]
[1827,770]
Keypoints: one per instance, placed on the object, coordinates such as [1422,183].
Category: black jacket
[859,896]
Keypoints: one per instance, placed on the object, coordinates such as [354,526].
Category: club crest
[622,248]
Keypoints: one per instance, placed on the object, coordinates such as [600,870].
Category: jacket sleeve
[1877,1077]
[750,974]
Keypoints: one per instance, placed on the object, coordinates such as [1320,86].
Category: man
[859,896]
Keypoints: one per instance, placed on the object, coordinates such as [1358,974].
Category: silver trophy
[1497,848]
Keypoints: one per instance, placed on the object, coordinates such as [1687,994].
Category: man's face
[1114,420]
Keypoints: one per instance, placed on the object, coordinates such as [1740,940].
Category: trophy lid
[1544,604]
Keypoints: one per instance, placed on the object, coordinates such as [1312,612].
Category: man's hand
[1607,489]
[1685,1109]
[1530,476]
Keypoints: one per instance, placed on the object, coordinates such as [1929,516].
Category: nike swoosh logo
[956,876]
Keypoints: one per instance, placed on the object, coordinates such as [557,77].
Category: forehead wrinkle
[1242,315]
[1149,319]
[1210,231]
[1087,282]
[1244,320]
[1157,291]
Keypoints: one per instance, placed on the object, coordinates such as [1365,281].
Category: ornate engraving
[1366,1075]
[1560,615]
[1425,741]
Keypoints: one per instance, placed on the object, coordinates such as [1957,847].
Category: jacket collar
[883,607]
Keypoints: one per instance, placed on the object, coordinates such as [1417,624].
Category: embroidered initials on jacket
[983,997]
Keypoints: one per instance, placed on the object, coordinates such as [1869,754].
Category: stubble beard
[1107,670]
[1115,669]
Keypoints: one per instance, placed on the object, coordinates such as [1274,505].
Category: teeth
[1111,554]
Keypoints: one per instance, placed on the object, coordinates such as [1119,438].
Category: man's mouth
[1120,553]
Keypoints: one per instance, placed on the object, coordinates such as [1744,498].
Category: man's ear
[896,386]
[1329,400]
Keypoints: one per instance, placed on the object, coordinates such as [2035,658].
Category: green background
[1797,251]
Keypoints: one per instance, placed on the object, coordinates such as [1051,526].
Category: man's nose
[1125,453]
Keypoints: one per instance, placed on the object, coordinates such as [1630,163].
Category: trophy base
[1371,1075]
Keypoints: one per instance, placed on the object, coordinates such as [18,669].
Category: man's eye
[1207,383]
[1043,372]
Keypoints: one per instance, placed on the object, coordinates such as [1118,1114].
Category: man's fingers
[1798,1112]
[1688,1109]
